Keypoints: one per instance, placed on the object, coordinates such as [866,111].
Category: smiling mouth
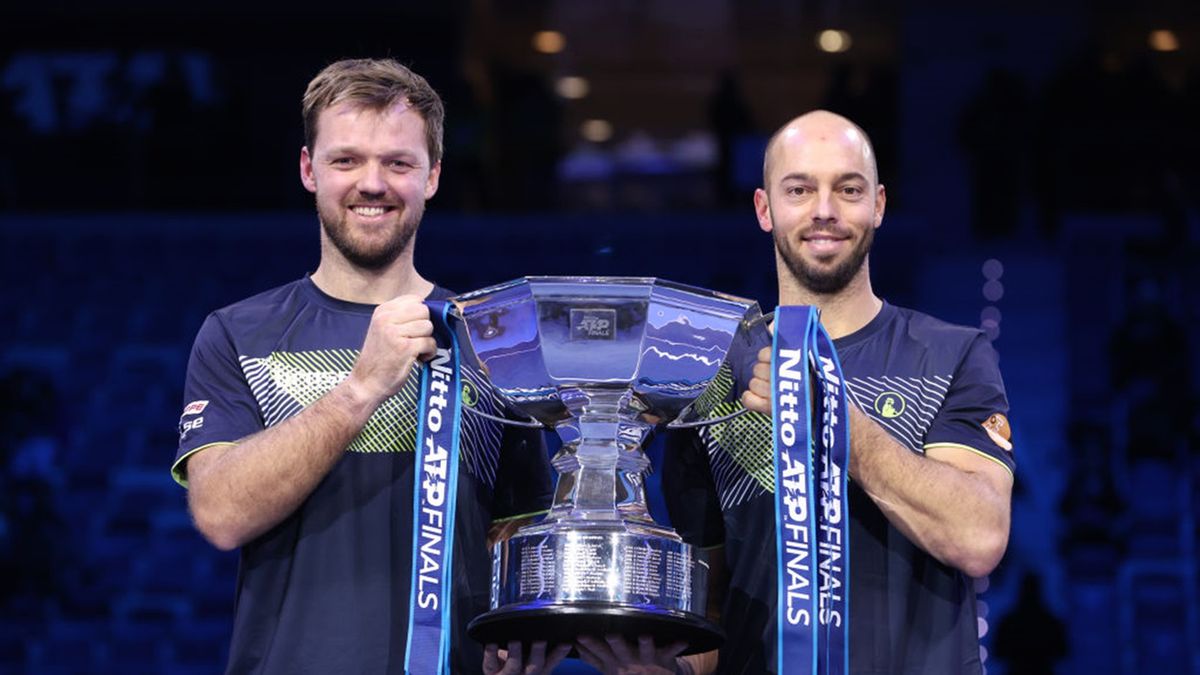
[823,238]
[823,245]
[370,211]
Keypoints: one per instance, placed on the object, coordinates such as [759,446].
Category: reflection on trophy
[603,361]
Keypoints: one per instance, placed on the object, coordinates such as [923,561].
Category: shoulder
[933,331]
[256,320]
[268,302]
[911,345]
[931,340]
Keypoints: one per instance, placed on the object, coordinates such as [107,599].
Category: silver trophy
[604,361]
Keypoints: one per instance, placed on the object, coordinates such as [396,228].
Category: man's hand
[399,334]
[614,656]
[498,661]
[757,396]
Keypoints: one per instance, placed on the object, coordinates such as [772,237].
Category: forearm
[238,492]
[958,516]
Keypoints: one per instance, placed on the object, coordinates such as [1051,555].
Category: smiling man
[299,426]
[930,477]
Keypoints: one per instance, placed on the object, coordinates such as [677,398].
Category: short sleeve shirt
[928,383]
[327,589]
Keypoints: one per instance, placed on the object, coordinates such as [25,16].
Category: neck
[842,312]
[341,279]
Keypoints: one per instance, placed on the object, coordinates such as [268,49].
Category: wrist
[355,398]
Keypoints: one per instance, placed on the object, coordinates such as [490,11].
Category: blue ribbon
[435,477]
[811,512]
[833,540]
[795,512]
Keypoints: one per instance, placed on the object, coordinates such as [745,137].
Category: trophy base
[565,623]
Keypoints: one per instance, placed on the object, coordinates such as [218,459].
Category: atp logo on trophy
[593,324]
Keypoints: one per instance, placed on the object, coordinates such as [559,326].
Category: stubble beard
[821,281]
[365,256]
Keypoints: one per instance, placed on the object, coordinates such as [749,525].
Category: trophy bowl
[604,361]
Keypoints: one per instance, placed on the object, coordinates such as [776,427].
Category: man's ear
[762,209]
[431,183]
[880,205]
[306,171]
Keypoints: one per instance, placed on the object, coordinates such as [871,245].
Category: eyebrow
[341,150]
[801,176]
[354,150]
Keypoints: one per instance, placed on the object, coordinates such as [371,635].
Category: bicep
[962,424]
[219,405]
[197,467]
[976,463]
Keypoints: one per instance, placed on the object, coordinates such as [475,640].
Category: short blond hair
[374,84]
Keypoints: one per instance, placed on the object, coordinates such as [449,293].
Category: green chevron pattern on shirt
[307,376]
[747,439]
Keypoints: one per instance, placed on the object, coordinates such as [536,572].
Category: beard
[363,254]
[816,279]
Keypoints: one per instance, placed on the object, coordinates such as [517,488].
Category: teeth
[369,210]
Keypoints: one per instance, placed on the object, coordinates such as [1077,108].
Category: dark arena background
[1043,183]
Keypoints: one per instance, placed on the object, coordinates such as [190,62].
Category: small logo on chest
[470,395]
[889,405]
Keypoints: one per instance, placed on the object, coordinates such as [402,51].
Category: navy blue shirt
[327,590]
[929,383]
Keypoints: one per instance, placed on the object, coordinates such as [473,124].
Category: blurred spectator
[1091,506]
[1149,328]
[1149,359]
[1030,638]
[466,129]
[31,528]
[993,131]
[730,119]
[1107,119]
[526,142]
[868,95]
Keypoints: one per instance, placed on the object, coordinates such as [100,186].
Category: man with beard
[931,465]
[297,437]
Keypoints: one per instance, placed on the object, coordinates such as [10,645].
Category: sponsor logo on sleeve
[998,430]
[194,408]
[190,425]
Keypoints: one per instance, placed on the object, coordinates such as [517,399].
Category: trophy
[604,361]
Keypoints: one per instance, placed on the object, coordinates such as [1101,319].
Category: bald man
[931,465]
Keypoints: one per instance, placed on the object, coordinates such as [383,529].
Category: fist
[757,396]
[400,333]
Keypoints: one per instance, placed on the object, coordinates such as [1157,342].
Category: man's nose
[826,208]
[370,179]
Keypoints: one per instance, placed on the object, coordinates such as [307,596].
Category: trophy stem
[599,481]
